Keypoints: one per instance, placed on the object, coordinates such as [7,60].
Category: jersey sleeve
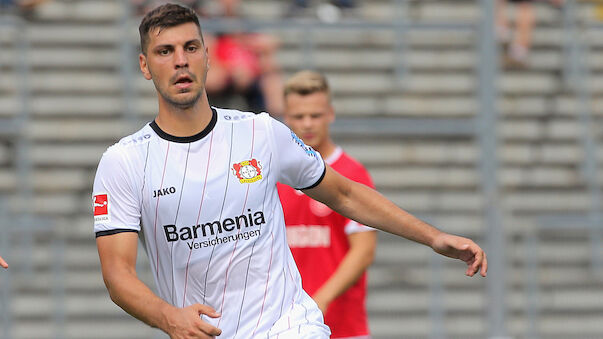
[300,166]
[116,207]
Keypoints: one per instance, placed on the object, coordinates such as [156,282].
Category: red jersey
[318,240]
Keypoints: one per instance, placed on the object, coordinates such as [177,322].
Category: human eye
[192,48]
[163,51]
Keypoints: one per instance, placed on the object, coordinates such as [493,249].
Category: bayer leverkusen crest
[248,171]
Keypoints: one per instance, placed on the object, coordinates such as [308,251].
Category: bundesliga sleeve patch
[101,208]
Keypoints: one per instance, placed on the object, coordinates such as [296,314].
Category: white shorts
[306,331]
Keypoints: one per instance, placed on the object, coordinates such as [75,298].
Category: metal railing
[577,81]
[482,128]
[18,224]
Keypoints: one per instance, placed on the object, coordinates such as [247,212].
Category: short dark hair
[164,16]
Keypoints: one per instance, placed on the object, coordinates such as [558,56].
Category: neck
[326,148]
[184,122]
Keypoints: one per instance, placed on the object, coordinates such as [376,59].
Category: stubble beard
[180,102]
[184,102]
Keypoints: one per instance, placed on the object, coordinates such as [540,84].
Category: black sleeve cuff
[115,231]
[317,181]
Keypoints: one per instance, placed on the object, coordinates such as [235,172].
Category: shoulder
[236,116]
[135,140]
[129,145]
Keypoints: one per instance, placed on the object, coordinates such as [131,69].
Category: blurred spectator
[23,7]
[329,11]
[517,46]
[243,64]
[143,6]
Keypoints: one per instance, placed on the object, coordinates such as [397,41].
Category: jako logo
[172,233]
[164,191]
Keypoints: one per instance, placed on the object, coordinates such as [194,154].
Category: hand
[464,249]
[186,323]
[3,263]
[323,305]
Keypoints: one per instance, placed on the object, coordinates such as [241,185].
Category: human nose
[307,122]
[180,59]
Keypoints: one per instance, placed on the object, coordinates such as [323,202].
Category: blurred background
[482,118]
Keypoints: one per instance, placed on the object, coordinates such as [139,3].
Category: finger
[207,310]
[484,266]
[477,263]
[480,257]
[209,329]
[470,271]
[3,263]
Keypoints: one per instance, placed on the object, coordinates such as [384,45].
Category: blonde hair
[307,82]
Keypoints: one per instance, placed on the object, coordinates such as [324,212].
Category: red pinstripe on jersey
[167,152]
[188,261]
[239,231]
[266,286]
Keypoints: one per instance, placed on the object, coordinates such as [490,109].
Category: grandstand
[410,85]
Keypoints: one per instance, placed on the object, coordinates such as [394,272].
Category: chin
[184,100]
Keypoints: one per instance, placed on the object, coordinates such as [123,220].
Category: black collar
[192,138]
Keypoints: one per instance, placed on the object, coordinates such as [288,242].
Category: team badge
[101,207]
[247,171]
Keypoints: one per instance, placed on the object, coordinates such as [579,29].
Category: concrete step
[55,180]
[552,130]
[403,252]
[76,35]
[555,276]
[473,300]
[80,155]
[71,130]
[113,328]
[90,82]
[77,105]
[412,152]
[86,11]
[78,57]
[426,177]
[449,178]
[463,326]
[10,106]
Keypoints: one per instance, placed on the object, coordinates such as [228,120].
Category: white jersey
[210,218]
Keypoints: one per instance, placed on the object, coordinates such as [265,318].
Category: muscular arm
[117,254]
[354,263]
[368,207]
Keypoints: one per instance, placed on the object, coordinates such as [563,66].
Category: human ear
[144,67]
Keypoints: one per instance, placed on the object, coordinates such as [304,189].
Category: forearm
[369,207]
[134,297]
[348,272]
